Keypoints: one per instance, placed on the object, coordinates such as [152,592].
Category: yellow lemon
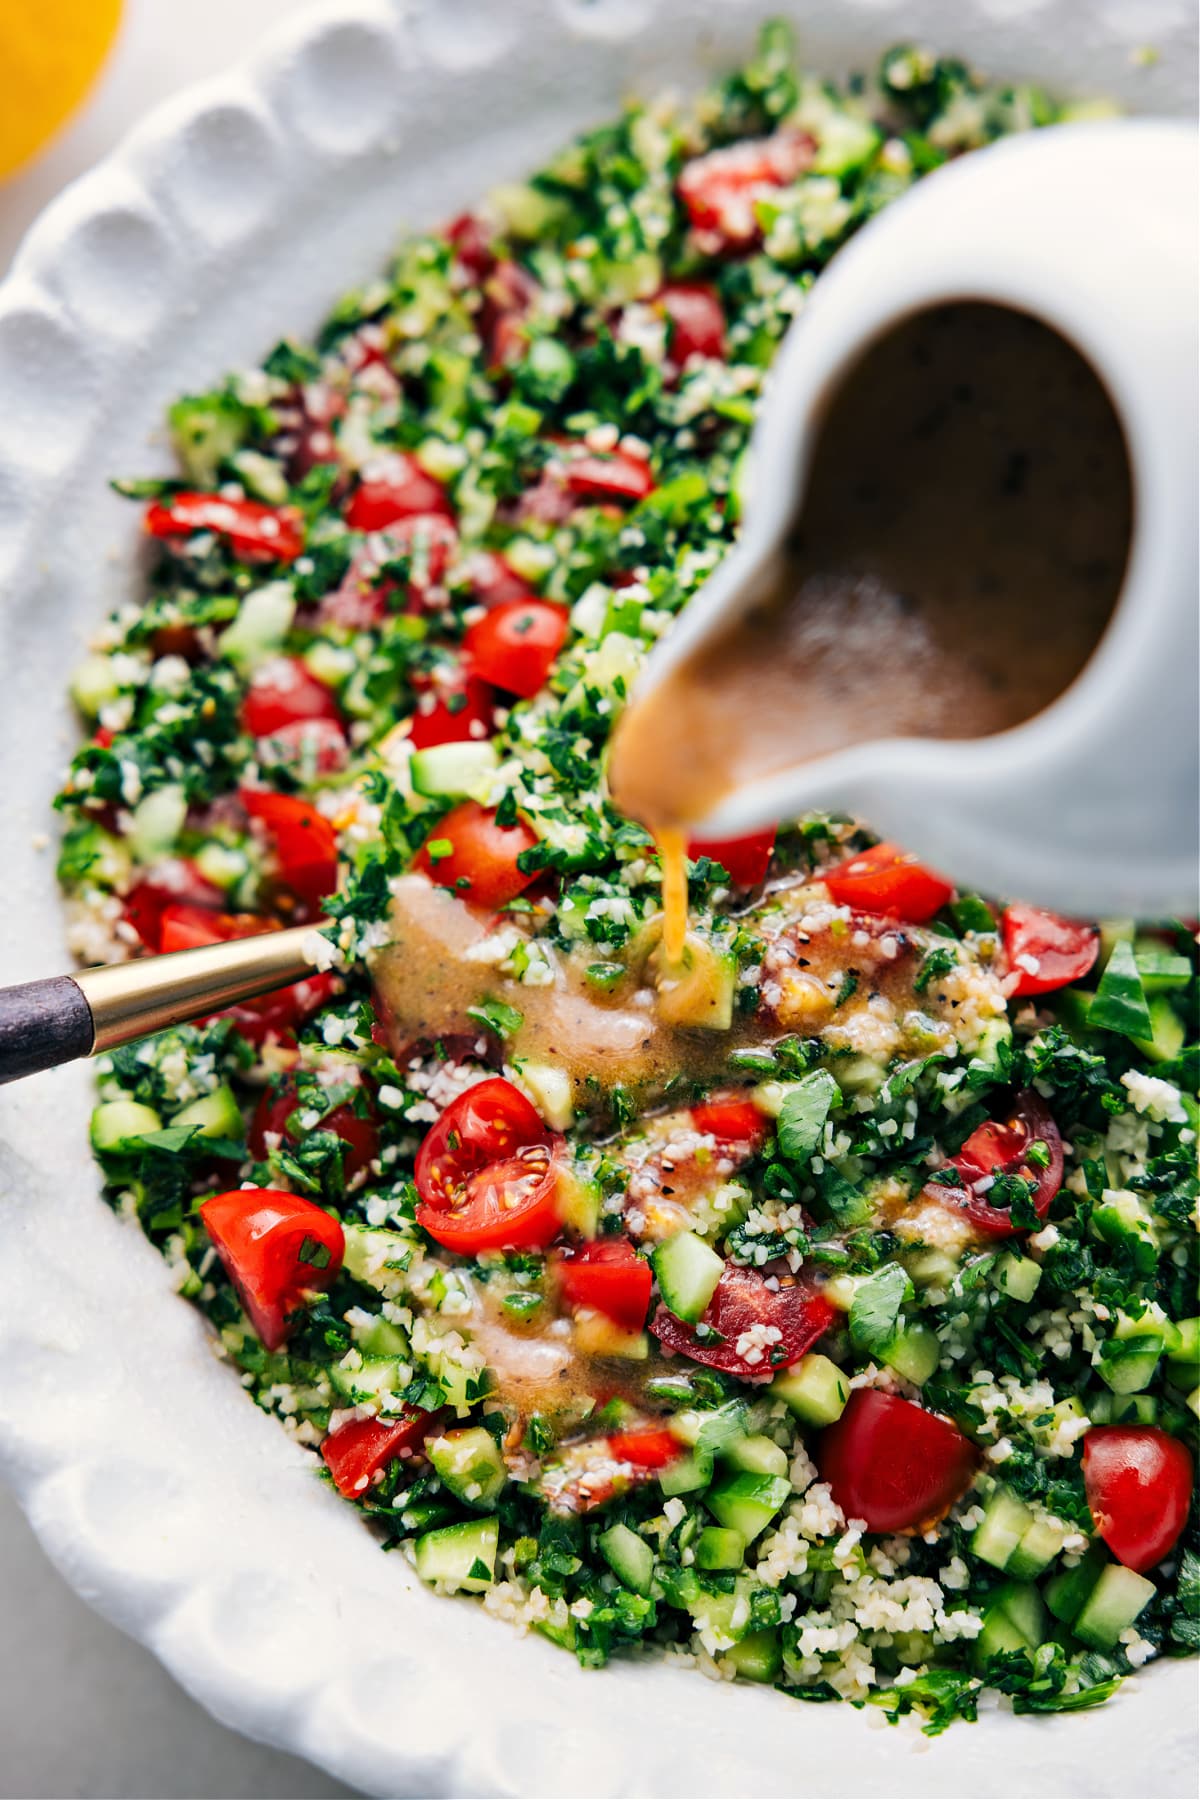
[50,53]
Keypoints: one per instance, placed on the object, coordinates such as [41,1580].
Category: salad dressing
[960,551]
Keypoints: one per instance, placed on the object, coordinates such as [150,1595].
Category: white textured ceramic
[239,212]
[1027,223]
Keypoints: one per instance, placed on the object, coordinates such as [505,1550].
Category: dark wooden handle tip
[42,1024]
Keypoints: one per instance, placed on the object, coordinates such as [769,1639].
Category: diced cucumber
[368,1377]
[995,1040]
[597,1335]
[94,685]
[380,1338]
[222,864]
[725,1615]
[1015,1620]
[1121,1219]
[687,1474]
[931,1267]
[756,1456]
[914,1352]
[814,1389]
[552,1091]
[453,771]
[719,1547]
[1112,933]
[1016,1276]
[1167,1032]
[1130,1356]
[1161,970]
[628,1556]
[1183,1359]
[1113,1604]
[698,990]
[711,1431]
[459,1556]
[469,1464]
[840,1290]
[156,823]
[1106,1408]
[1036,1550]
[1066,1592]
[748,1503]
[757,1656]
[1005,1521]
[215,1115]
[377,1258]
[579,1201]
[263,622]
[119,1126]
[688,1271]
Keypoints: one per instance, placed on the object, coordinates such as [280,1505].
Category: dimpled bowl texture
[235,214]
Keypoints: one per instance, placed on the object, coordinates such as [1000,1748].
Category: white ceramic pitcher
[1092,806]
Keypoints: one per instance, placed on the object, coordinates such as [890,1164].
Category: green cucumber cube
[748,1503]
[459,1556]
[215,1115]
[119,1126]
[757,1656]
[1113,1604]
[814,1389]
[719,1547]
[469,1463]
[756,1455]
[628,1556]
[688,1271]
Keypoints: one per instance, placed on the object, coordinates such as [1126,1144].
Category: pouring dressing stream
[964,604]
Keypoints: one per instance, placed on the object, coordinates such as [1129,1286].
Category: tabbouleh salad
[819,1310]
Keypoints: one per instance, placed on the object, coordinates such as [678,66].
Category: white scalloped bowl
[236,213]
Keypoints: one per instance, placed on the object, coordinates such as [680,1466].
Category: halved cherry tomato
[1000,1148]
[1139,1486]
[469,852]
[282,692]
[1045,951]
[886,879]
[893,1465]
[510,1205]
[183,926]
[393,487]
[607,474]
[719,190]
[453,713]
[359,1134]
[365,596]
[611,1277]
[486,1124]
[731,1119]
[254,532]
[514,645]
[361,1448]
[744,859]
[649,1449]
[303,840]
[171,883]
[307,747]
[277,1248]
[696,318]
[742,1301]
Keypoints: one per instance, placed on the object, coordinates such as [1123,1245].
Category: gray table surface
[85,1711]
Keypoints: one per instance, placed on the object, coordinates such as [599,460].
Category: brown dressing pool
[961,548]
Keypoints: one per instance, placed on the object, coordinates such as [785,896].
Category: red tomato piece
[171,883]
[254,532]
[469,852]
[307,747]
[183,926]
[610,1277]
[648,1449]
[359,1133]
[607,475]
[744,859]
[742,1302]
[696,319]
[277,1248]
[510,1205]
[282,692]
[886,879]
[1000,1148]
[731,1119]
[892,1464]
[1044,951]
[303,840]
[719,190]
[486,1124]
[472,243]
[393,487]
[1139,1486]
[453,713]
[514,645]
[362,1448]
[509,292]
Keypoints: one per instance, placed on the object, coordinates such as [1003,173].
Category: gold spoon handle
[44,1023]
